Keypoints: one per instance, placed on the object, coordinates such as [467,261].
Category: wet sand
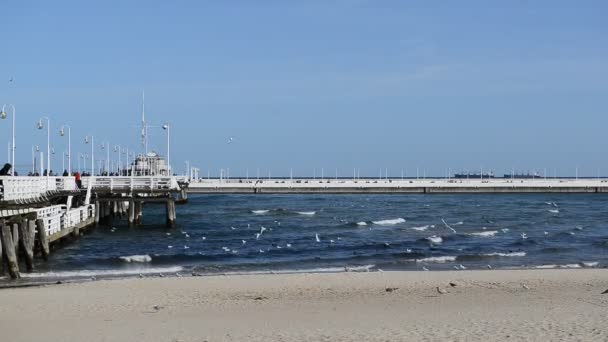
[514,305]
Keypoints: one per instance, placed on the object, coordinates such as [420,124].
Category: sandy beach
[515,305]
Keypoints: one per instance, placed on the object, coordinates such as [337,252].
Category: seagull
[11,80]
[288,245]
[168,234]
[257,236]
[489,267]
[524,235]
[605,292]
[244,242]
[409,250]
[187,236]
[261,251]
[186,247]
[230,140]
[232,228]
[157,307]
[441,291]
[141,275]
[525,286]
[331,241]
[169,247]
[204,238]
[317,237]
[424,268]
[262,229]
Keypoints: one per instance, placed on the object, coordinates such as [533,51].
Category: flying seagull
[230,140]
[441,291]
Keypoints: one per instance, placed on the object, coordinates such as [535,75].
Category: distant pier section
[397,186]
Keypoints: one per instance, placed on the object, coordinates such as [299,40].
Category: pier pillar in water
[97,209]
[131,213]
[171,213]
[9,250]
[27,230]
[43,239]
[138,212]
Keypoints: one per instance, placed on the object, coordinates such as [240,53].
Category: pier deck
[396,186]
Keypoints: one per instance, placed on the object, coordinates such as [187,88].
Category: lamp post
[105,145]
[3,116]
[118,150]
[167,128]
[48,143]
[62,133]
[86,141]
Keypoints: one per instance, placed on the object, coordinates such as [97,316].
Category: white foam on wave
[435,239]
[554,211]
[558,266]
[363,268]
[590,263]
[389,222]
[260,212]
[91,273]
[420,229]
[487,233]
[362,223]
[440,259]
[512,254]
[136,258]
[306,213]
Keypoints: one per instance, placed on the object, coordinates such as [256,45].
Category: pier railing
[58,218]
[23,188]
[131,184]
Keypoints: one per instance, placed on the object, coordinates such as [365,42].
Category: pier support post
[9,251]
[15,233]
[97,212]
[131,213]
[138,212]
[43,239]
[170,213]
[27,230]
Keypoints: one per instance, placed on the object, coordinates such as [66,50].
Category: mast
[144,127]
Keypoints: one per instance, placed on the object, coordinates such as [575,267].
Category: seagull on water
[317,237]
[244,242]
[524,236]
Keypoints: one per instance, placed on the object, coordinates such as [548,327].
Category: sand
[514,305]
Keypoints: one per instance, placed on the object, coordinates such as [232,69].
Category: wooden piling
[27,229]
[43,239]
[97,212]
[15,232]
[9,251]
[131,213]
[138,212]
[170,208]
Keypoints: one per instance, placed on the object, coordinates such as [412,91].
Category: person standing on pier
[6,170]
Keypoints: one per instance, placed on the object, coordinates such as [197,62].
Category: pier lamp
[3,115]
[40,126]
[86,141]
[118,150]
[62,133]
[103,147]
[167,128]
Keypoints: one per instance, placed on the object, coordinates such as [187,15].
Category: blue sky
[316,84]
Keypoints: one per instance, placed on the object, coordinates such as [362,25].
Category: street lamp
[48,142]
[167,128]
[3,116]
[86,141]
[62,133]
[118,150]
[105,144]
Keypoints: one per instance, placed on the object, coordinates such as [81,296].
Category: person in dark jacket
[6,170]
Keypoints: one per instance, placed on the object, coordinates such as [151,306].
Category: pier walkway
[36,212]
[397,186]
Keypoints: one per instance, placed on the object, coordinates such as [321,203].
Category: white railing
[130,184]
[25,188]
[57,218]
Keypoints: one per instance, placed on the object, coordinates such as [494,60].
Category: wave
[590,263]
[260,212]
[420,229]
[307,213]
[362,223]
[510,254]
[553,211]
[487,233]
[440,259]
[114,272]
[137,258]
[389,222]
[435,239]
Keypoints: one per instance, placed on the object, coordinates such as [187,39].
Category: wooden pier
[38,212]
